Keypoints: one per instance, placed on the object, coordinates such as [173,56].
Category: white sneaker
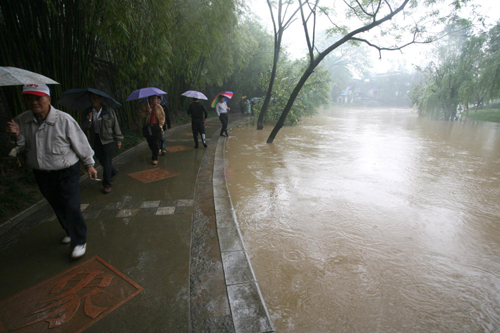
[66,240]
[79,251]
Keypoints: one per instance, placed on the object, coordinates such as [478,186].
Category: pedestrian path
[154,261]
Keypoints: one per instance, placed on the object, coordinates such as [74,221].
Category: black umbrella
[78,99]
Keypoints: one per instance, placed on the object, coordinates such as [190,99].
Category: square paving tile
[70,301]
[165,211]
[127,212]
[152,175]
[185,202]
[174,149]
[150,204]
[146,212]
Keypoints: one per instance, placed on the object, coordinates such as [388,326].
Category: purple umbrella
[145,92]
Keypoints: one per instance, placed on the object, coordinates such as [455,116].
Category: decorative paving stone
[167,203]
[150,204]
[132,205]
[69,302]
[108,213]
[146,212]
[187,134]
[185,202]
[115,205]
[127,212]
[153,175]
[165,211]
[174,149]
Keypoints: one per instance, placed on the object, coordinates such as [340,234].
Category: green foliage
[315,92]
[464,74]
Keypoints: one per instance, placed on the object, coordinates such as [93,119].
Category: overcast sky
[414,55]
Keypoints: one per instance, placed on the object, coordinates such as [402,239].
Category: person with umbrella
[221,108]
[199,115]
[154,118]
[102,122]
[166,125]
[54,144]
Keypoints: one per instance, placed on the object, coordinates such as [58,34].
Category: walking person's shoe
[205,144]
[163,152]
[66,240]
[79,251]
[106,190]
[155,162]
[114,176]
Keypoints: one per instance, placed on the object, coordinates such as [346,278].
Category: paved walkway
[164,252]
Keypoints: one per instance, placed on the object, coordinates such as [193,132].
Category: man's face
[39,105]
[95,100]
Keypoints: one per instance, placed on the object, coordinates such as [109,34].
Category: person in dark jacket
[104,130]
[166,125]
[199,115]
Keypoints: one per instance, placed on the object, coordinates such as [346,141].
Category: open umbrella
[145,92]
[78,99]
[194,94]
[256,100]
[227,96]
[13,76]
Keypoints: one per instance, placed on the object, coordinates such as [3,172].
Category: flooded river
[372,221]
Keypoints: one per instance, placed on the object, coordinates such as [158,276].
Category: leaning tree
[375,26]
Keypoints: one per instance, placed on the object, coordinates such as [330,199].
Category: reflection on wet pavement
[372,221]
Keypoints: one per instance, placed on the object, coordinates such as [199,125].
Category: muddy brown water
[372,221]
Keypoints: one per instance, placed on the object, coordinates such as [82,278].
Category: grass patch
[492,115]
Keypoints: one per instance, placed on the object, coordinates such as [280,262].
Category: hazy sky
[295,42]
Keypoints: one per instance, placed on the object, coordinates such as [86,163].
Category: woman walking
[153,126]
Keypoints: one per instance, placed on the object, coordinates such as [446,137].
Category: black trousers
[223,119]
[154,145]
[104,154]
[197,126]
[61,188]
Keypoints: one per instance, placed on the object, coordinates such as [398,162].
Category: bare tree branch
[363,10]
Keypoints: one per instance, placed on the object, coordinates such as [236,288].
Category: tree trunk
[277,46]
[291,100]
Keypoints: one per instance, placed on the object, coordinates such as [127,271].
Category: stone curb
[248,308]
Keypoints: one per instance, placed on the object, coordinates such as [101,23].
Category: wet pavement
[164,252]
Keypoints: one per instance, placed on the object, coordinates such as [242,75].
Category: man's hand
[12,128]
[92,172]
[89,115]
[119,145]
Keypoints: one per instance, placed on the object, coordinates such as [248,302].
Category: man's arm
[117,132]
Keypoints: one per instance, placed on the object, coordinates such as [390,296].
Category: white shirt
[221,107]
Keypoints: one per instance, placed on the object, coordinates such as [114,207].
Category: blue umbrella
[145,92]
[78,99]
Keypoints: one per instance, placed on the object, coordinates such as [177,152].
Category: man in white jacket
[54,143]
